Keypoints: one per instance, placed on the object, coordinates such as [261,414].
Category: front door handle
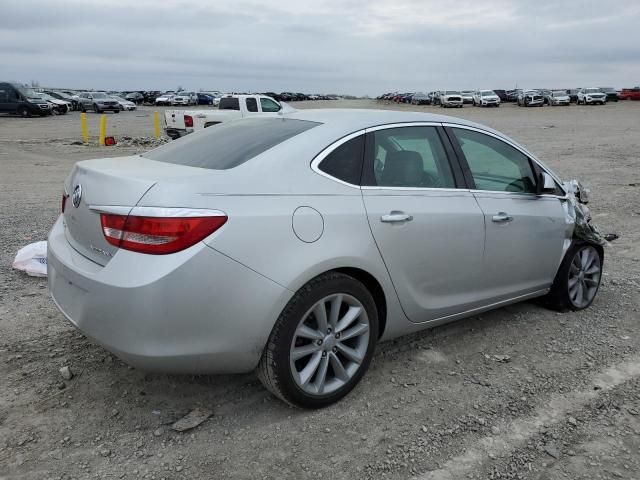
[502,217]
[395,217]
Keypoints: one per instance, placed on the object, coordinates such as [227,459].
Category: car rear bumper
[195,311]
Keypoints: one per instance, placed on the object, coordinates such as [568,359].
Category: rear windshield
[229,103]
[228,145]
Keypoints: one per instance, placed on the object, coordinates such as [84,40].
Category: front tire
[322,343]
[578,278]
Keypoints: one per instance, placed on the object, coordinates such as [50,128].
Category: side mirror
[546,184]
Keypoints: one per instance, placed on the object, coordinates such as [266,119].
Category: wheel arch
[371,283]
[376,290]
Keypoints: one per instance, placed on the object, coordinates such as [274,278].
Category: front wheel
[95,108]
[578,278]
[322,343]
[24,112]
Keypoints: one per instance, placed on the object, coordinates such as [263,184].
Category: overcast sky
[320,46]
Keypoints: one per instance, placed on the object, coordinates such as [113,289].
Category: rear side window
[408,157]
[252,105]
[345,162]
[229,144]
[229,103]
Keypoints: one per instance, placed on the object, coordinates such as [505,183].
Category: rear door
[426,223]
[525,232]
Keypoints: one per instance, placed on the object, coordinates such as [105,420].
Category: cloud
[350,46]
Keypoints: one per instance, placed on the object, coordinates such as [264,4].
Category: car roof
[351,119]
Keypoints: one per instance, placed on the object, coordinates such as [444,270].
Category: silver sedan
[293,245]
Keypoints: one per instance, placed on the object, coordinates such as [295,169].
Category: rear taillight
[188,121]
[158,235]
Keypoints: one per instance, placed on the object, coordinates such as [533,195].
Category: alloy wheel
[584,276]
[329,344]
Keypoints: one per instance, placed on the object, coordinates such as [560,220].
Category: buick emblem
[76,196]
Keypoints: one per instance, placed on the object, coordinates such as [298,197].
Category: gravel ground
[520,392]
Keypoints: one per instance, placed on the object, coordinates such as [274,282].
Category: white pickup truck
[179,123]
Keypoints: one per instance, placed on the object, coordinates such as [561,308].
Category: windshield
[559,93]
[591,90]
[98,95]
[487,93]
[230,144]
[28,92]
[607,89]
[452,92]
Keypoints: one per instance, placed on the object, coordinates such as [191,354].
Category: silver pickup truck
[179,123]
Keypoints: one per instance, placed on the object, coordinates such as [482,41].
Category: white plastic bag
[32,259]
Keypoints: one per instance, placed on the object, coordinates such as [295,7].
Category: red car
[630,93]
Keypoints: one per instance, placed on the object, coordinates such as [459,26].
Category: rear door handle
[502,217]
[395,217]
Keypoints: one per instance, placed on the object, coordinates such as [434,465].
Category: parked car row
[171,97]
[537,97]
[26,101]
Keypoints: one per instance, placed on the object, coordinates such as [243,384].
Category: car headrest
[402,169]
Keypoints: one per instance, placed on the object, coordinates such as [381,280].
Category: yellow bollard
[156,124]
[85,129]
[103,129]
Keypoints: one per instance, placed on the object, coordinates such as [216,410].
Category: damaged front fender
[577,213]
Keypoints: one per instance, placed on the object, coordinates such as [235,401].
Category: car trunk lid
[117,183]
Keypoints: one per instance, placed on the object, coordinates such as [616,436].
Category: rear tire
[338,348]
[578,279]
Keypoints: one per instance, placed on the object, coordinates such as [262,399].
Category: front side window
[252,105]
[408,157]
[269,105]
[494,164]
[345,162]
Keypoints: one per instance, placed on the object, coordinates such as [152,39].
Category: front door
[430,233]
[525,232]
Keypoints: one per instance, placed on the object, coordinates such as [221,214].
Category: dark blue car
[205,99]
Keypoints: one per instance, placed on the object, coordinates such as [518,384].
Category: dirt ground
[520,392]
